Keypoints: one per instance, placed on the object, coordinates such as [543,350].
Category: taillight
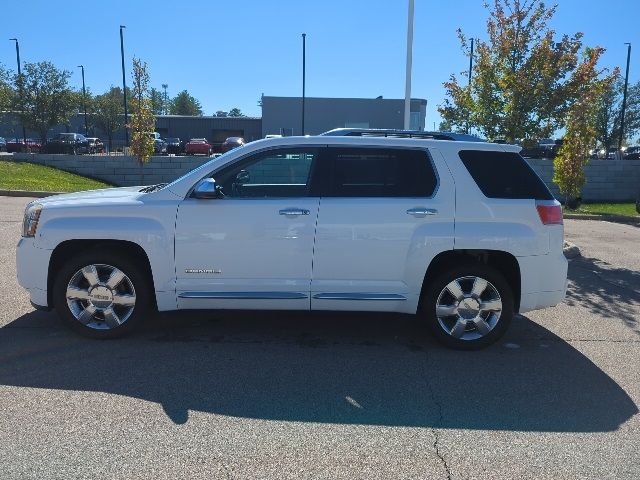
[550,213]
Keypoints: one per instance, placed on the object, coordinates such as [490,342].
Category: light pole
[24,131]
[84,101]
[624,98]
[164,87]
[304,66]
[124,87]
[407,90]
[470,73]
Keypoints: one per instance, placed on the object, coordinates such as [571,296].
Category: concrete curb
[605,218]
[27,193]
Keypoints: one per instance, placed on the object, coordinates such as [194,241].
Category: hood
[94,197]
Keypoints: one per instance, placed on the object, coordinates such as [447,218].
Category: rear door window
[379,172]
[504,175]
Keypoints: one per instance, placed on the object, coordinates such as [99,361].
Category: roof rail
[380,132]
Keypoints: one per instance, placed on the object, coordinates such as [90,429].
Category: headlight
[31,217]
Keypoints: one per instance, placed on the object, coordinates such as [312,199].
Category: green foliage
[235,112]
[523,78]
[157,101]
[44,98]
[609,113]
[142,120]
[109,112]
[185,104]
[6,89]
[580,130]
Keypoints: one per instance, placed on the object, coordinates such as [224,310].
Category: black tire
[144,305]
[433,289]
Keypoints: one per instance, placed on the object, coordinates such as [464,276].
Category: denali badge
[203,270]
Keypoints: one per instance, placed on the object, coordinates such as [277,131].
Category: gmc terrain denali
[464,234]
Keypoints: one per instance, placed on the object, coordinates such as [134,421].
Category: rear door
[384,214]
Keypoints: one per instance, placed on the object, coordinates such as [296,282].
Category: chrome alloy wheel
[468,308]
[101,296]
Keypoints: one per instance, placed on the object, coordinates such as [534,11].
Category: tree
[185,104]
[235,112]
[580,131]
[45,98]
[109,112]
[522,83]
[609,113]
[157,101]
[6,90]
[142,119]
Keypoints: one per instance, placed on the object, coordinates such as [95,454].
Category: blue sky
[228,53]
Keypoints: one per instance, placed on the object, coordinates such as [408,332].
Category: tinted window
[380,172]
[504,175]
[276,173]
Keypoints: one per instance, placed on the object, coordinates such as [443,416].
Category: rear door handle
[293,212]
[421,211]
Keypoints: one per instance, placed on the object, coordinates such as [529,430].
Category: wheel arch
[504,262]
[67,249]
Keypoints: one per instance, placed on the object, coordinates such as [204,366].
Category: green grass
[30,176]
[625,209]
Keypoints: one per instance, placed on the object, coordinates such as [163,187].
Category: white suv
[464,234]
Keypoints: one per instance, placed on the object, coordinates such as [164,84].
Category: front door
[253,246]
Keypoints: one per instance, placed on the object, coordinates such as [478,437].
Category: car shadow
[368,369]
[609,292]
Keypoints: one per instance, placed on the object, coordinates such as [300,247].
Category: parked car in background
[543,148]
[159,145]
[69,143]
[174,146]
[17,145]
[95,145]
[198,146]
[3,145]
[231,143]
[632,153]
[613,153]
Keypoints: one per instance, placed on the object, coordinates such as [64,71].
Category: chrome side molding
[359,296]
[245,295]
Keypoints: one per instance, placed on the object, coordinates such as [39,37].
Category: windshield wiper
[153,188]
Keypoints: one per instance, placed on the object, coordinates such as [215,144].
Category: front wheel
[102,294]
[468,307]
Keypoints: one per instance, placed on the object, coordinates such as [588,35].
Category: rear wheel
[468,307]
[102,295]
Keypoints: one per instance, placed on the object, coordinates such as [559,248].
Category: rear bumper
[543,281]
[32,264]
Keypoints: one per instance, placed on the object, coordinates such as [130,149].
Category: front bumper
[32,264]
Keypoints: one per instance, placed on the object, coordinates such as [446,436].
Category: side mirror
[206,189]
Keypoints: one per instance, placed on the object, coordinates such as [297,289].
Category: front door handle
[421,211]
[293,212]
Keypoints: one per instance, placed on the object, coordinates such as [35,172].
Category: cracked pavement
[273,395]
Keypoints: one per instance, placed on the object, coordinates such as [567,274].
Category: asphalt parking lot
[257,395]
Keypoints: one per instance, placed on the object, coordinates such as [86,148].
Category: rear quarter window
[504,175]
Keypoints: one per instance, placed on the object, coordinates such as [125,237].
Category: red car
[231,143]
[17,145]
[198,146]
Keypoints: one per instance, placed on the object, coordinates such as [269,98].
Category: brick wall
[607,180]
[121,171]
